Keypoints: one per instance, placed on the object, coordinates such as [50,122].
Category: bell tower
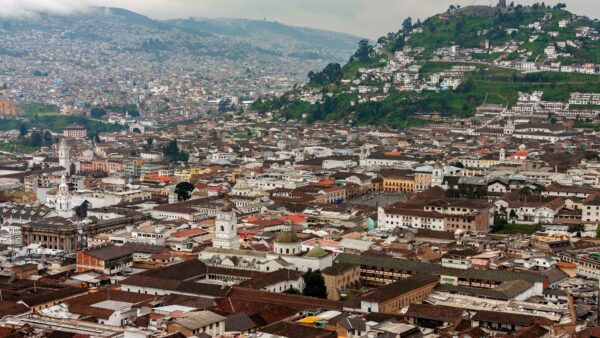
[64,159]
[63,200]
[226,236]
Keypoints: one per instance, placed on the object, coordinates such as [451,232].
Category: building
[75,131]
[9,108]
[398,180]
[340,278]
[591,209]
[379,271]
[109,260]
[394,296]
[64,159]
[197,323]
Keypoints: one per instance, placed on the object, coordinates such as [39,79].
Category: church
[64,159]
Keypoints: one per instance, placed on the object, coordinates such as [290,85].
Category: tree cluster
[332,73]
[172,153]
[363,53]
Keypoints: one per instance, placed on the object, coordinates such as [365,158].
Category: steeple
[64,160]
[226,227]
[63,199]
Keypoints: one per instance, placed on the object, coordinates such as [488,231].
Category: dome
[522,153]
[241,184]
[316,252]
[287,237]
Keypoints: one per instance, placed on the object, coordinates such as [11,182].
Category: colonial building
[74,131]
[109,260]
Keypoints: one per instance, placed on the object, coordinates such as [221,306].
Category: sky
[365,18]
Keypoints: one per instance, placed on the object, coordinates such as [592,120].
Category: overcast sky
[367,18]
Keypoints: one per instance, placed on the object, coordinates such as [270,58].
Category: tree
[314,285]
[513,214]
[184,191]
[363,54]
[407,25]
[332,73]
[23,129]
[172,152]
[149,141]
[560,6]
[81,211]
[97,112]
[36,139]
[526,191]
[48,141]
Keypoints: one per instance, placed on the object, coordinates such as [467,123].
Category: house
[195,323]
[434,316]
[109,259]
[394,296]
[109,307]
[591,209]
[507,322]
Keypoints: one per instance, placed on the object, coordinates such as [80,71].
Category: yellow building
[186,175]
[422,181]
[398,180]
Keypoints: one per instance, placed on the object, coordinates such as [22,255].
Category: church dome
[241,184]
[522,152]
[287,237]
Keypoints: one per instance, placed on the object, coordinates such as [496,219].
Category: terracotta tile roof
[400,287]
[510,318]
[293,301]
[435,312]
[108,252]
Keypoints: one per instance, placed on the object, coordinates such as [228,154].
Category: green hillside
[504,50]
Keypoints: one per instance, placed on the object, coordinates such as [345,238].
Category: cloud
[28,8]
[369,18]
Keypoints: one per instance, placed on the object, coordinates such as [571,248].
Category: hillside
[450,64]
[228,38]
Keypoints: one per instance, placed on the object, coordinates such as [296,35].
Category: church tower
[502,155]
[63,200]
[64,160]
[226,228]
[509,128]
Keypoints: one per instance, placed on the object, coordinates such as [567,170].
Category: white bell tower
[64,160]
[226,236]
[509,128]
[502,155]
[63,200]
